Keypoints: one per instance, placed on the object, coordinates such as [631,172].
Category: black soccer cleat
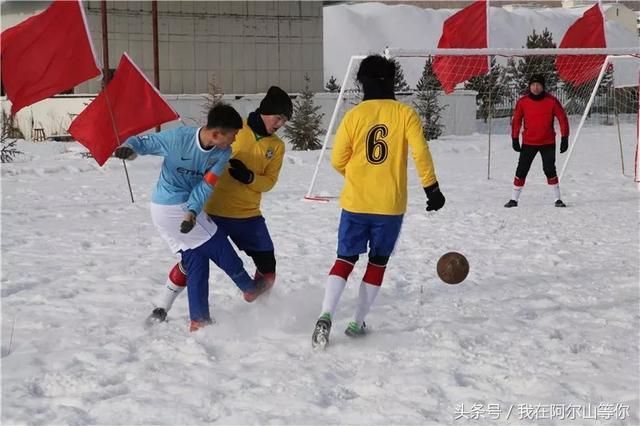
[511,203]
[320,337]
[560,203]
[158,315]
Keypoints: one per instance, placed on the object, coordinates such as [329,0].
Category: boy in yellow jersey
[370,150]
[234,206]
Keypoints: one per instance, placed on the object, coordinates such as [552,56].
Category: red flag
[464,29]
[47,54]
[587,31]
[127,106]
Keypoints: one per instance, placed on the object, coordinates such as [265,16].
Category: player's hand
[515,143]
[240,172]
[189,222]
[125,153]
[435,199]
[564,144]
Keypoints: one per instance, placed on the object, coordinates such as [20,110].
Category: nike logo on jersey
[185,159]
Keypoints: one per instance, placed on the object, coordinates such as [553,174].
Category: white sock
[556,191]
[515,194]
[171,291]
[332,292]
[366,296]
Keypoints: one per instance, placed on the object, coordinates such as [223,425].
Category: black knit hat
[276,102]
[537,78]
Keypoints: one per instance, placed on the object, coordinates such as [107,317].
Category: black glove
[239,171]
[564,144]
[435,199]
[515,142]
[189,222]
[124,152]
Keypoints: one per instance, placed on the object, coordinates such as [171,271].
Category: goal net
[597,87]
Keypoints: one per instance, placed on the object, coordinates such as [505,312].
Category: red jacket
[538,120]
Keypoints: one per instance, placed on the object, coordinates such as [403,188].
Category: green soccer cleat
[320,337]
[354,330]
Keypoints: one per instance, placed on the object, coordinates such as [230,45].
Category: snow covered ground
[545,326]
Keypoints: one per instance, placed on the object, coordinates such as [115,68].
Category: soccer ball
[452,268]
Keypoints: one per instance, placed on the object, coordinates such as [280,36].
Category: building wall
[241,46]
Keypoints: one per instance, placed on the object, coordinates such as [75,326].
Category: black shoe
[320,337]
[511,203]
[158,315]
[560,203]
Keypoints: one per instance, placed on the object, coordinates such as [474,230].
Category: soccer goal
[597,87]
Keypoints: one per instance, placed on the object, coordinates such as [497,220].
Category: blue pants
[196,262]
[249,234]
[379,231]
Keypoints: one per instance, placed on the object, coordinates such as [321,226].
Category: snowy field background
[548,316]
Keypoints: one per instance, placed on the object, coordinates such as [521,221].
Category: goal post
[592,93]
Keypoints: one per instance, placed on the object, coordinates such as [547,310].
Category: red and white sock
[554,184]
[176,283]
[336,282]
[518,184]
[369,288]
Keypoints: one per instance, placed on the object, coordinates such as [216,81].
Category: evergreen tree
[332,85]
[426,103]
[304,128]
[400,84]
[8,135]
[520,70]
[212,98]
[428,79]
[491,89]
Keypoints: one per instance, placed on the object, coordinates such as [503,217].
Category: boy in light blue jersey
[194,158]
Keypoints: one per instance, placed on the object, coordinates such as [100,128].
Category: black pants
[528,153]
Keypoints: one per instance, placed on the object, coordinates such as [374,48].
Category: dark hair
[225,117]
[377,76]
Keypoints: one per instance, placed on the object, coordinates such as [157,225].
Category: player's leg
[352,241]
[176,283]
[527,154]
[548,154]
[252,236]
[384,234]
[197,267]
[219,250]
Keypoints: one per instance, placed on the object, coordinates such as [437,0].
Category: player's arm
[342,148]
[516,120]
[266,181]
[149,144]
[203,190]
[561,115]
[420,151]
[424,162]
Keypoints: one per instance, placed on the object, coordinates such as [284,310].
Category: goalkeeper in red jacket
[370,150]
[538,109]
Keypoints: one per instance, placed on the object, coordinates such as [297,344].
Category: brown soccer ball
[452,268]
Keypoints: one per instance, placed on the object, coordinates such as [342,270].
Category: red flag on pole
[464,29]
[587,31]
[129,104]
[47,54]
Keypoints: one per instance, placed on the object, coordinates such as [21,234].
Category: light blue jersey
[184,167]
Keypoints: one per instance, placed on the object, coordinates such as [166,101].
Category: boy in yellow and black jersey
[370,150]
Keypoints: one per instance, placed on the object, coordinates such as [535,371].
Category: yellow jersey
[370,150]
[263,156]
